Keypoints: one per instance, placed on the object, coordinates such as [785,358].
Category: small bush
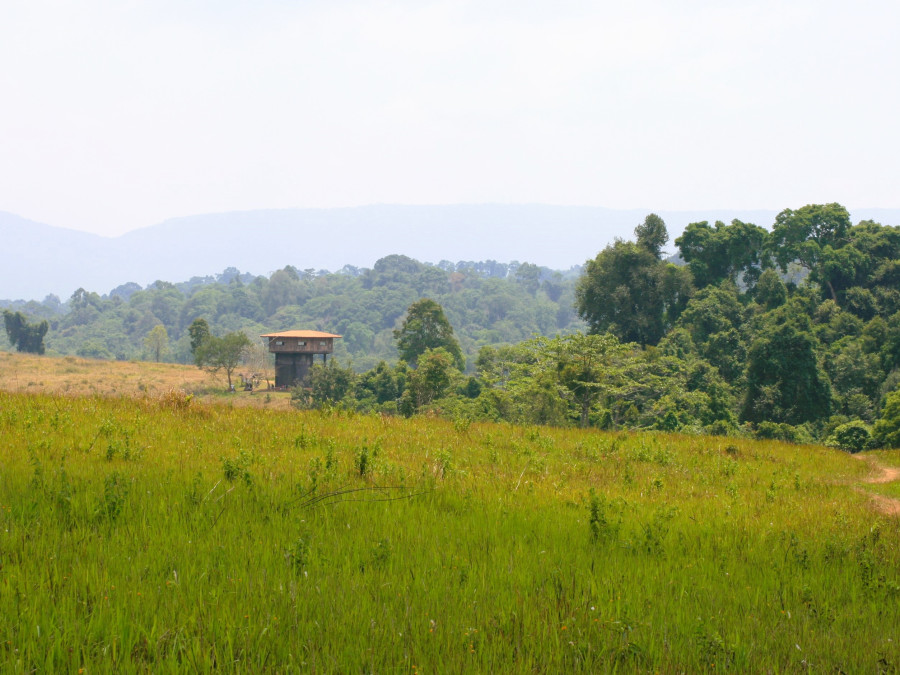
[362,461]
[720,428]
[176,399]
[235,468]
[777,431]
[852,437]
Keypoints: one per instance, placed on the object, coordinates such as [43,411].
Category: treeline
[791,334]
[488,303]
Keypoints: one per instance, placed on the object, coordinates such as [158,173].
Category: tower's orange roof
[308,334]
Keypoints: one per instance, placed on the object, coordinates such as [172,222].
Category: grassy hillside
[157,533]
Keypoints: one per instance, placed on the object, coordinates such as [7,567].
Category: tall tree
[628,291]
[425,327]
[770,291]
[784,380]
[713,254]
[806,235]
[25,336]
[429,381]
[225,353]
[887,428]
[713,318]
[199,331]
[521,384]
[157,341]
[330,383]
[652,234]
[587,368]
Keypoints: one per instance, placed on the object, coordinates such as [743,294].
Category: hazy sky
[119,114]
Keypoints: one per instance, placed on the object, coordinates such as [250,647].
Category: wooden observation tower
[295,352]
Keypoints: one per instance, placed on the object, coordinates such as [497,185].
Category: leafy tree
[328,384]
[157,341]
[429,381]
[811,235]
[125,291]
[779,431]
[628,291]
[283,288]
[853,437]
[619,293]
[165,302]
[652,234]
[529,276]
[358,337]
[25,336]
[856,377]
[199,332]
[733,252]
[713,318]
[587,368]
[784,380]
[859,269]
[520,384]
[770,291]
[393,271]
[887,428]
[425,327]
[830,323]
[383,384]
[225,353]
[551,381]
[888,339]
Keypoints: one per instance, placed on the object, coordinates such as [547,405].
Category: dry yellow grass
[74,376]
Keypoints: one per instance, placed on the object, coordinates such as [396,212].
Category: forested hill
[39,259]
[487,302]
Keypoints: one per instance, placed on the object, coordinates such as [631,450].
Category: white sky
[118,114]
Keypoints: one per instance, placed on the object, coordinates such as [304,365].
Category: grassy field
[74,376]
[159,534]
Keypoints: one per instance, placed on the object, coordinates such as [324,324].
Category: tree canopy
[426,327]
[629,291]
[222,354]
[734,252]
[157,342]
[25,336]
[198,332]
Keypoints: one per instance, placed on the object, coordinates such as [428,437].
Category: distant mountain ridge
[40,259]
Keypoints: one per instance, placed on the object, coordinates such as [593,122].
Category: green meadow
[161,535]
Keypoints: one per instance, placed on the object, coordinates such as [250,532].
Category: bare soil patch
[886,505]
[881,475]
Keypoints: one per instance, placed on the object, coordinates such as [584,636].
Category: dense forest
[486,302]
[790,333]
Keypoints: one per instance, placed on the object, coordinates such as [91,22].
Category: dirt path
[881,474]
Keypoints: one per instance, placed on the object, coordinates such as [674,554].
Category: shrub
[720,428]
[777,431]
[176,399]
[852,437]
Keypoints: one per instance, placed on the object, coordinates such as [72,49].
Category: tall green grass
[161,535]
